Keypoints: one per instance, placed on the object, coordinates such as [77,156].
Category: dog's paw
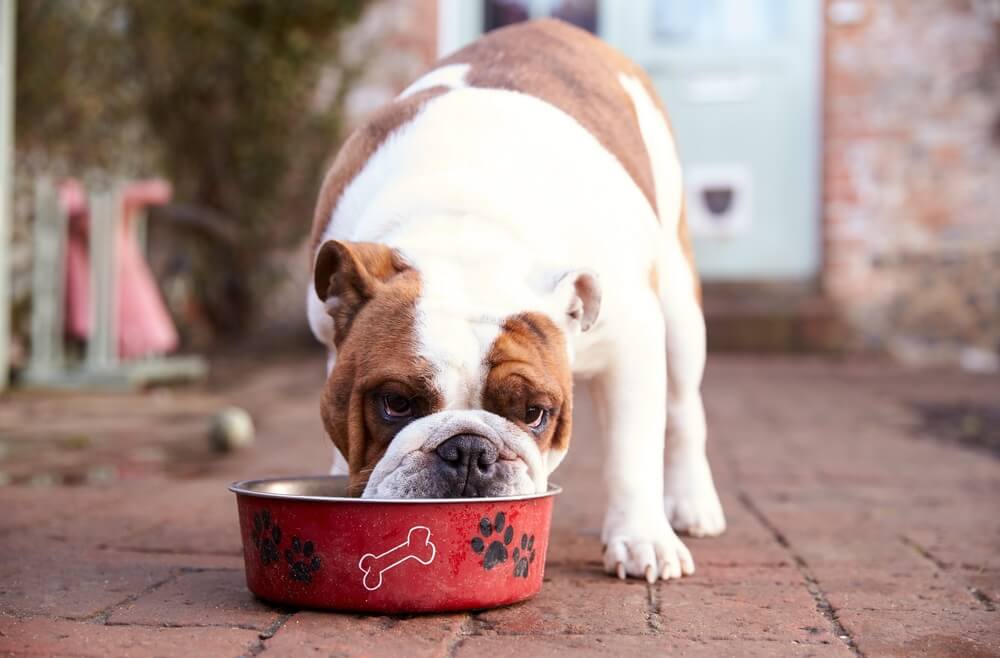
[697,515]
[691,502]
[648,550]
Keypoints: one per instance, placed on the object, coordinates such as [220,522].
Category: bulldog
[513,219]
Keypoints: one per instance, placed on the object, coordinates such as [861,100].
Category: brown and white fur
[512,220]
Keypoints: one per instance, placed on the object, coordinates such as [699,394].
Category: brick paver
[606,646]
[852,532]
[197,598]
[324,634]
[55,637]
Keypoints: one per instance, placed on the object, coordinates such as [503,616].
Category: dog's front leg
[630,397]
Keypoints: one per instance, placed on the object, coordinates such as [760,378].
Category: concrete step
[771,317]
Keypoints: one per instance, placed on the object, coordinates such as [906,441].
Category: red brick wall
[421,35]
[912,174]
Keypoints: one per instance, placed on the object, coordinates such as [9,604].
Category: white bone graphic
[418,546]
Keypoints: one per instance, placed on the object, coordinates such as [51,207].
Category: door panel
[740,79]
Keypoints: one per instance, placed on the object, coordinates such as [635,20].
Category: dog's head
[429,400]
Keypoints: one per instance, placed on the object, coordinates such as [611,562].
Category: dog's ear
[348,274]
[578,294]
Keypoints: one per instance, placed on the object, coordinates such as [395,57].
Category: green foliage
[227,86]
[219,96]
[69,106]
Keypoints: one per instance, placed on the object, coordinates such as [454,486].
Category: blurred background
[161,162]
[842,157]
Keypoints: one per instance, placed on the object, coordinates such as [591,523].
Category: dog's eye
[536,417]
[396,406]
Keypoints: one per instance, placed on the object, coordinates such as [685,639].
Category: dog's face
[425,402]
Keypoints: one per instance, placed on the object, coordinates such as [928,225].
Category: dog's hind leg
[692,503]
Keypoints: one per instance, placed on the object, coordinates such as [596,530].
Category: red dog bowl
[306,544]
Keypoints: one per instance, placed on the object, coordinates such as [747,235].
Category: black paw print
[496,552]
[266,536]
[302,560]
[524,556]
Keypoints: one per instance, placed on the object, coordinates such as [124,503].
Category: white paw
[647,550]
[691,502]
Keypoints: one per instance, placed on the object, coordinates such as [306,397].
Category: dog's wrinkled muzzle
[453,454]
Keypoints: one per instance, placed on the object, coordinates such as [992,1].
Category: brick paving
[853,531]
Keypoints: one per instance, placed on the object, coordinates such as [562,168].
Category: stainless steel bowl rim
[243,488]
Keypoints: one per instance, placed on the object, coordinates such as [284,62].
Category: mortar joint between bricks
[923,552]
[654,618]
[471,625]
[102,616]
[942,566]
[823,605]
[474,624]
[455,644]
[260,645]
[983,598]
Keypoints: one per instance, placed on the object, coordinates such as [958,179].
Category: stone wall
[912,176]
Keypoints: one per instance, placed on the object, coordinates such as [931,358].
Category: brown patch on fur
[376,356]
[684,238]
[528,367]
[358,149]
[654,279]
[353,272]
[576,72]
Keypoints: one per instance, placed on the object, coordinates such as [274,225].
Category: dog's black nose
[467,462]
[468,450]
